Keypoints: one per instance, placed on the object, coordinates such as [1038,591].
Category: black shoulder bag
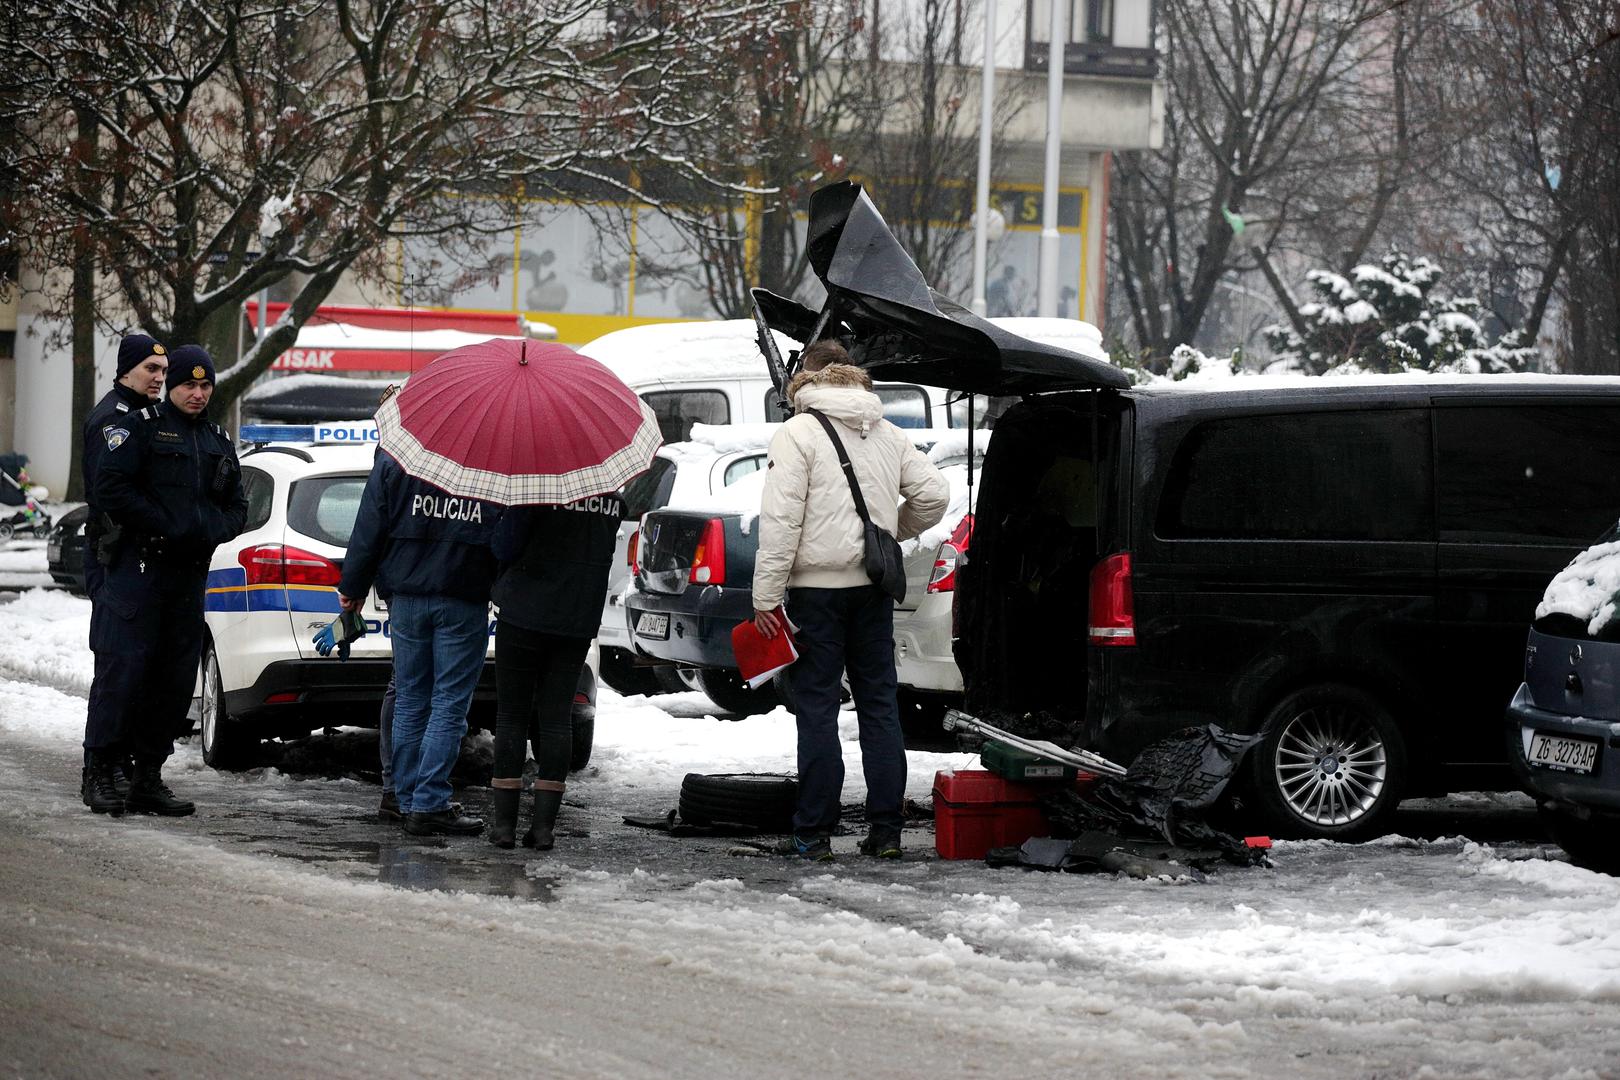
[882,557]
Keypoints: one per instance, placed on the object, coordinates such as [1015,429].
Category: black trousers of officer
[146,630]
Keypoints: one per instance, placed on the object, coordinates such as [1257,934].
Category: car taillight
[633,552]
[709,560]
[582,698]
[1113,611]
[275,564]
[950,556]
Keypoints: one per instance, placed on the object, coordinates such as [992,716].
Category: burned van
[1344,566]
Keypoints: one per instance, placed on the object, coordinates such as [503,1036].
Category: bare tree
[1250,88]
[291,141]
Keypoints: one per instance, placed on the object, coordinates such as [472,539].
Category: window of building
[1523,473]
[1360,475]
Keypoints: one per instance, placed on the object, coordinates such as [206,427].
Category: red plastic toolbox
[975,811]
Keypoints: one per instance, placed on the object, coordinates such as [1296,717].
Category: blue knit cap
[190,362]
[135,348]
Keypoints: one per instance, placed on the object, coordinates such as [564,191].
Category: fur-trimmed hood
[841,391]
[831,375]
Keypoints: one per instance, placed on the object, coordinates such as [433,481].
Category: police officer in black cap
[138,382]
[170,484]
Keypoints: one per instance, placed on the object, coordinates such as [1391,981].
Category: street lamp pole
[1048,295]
[981,203]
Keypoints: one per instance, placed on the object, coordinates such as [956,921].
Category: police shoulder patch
[115,436]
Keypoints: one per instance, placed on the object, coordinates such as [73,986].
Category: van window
[903,406]
[325,507]
[678,410]
[1302,476]
[258,488]
[1524,473]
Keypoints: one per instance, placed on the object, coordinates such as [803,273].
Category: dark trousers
[845,630]
[536,677]
[146,630]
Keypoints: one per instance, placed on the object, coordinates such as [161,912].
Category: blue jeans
[439,645]
[839,630]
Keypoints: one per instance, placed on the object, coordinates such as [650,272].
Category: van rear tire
[1331,766]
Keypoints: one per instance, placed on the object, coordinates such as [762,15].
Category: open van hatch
[897,327]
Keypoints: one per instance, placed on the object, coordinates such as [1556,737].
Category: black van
[1346,565]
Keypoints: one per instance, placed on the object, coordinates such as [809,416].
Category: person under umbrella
[538,427]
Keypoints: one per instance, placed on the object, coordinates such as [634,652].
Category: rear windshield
[324,507]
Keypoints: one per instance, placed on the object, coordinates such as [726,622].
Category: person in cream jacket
[811,551]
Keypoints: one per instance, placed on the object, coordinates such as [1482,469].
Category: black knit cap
[190,362]
[135,348]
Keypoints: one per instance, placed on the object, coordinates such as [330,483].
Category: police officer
[169,482]
[137,383]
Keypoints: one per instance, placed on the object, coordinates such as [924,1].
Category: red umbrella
[519,422]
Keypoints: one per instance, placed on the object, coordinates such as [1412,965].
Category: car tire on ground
[620,671]
[224,744]
[1332,765]
[763,801]
[1589,844]
[6,531]
[727,690]
[669,681]
[584,738]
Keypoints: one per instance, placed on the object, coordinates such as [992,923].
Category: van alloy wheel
[1331,764]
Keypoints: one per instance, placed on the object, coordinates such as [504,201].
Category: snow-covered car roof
[683,351]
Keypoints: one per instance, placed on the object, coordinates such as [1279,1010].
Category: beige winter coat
[809,533]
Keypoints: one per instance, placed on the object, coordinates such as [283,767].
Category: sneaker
[882,844]
[808,848]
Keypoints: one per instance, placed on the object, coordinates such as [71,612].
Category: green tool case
[1010,763]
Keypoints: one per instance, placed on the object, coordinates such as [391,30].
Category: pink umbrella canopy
[519,422]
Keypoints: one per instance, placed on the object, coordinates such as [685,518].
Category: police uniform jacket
[411,537]
[555,563]
[171,481]
[112,411]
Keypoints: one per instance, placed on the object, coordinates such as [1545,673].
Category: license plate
[1563,753]
[652,625]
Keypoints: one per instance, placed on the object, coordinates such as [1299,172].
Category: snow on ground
[22,565]
[46,640]
[1465,958]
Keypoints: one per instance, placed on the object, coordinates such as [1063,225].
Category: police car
[272,588]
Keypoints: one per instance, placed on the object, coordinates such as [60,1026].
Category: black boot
[540,835]
[503,829]
[99,791]
[148,794]
[123,770]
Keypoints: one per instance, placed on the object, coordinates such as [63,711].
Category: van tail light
[951,554]
[275,564]
[633,552]
[1113,610]
[709,560]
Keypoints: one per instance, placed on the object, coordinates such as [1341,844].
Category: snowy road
[284,931]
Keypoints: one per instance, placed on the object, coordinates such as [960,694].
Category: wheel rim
[210,701]
[1331,765]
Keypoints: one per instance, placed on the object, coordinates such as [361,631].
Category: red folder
[760,658]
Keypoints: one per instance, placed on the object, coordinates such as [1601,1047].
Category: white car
[715,457]
[271,589]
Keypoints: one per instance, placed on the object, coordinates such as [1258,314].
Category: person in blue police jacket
[555,563]
[171,488]
[430,551]
[138,382]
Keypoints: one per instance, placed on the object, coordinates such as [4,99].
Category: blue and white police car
[274,587]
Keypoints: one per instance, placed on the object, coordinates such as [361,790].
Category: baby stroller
[30,517]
